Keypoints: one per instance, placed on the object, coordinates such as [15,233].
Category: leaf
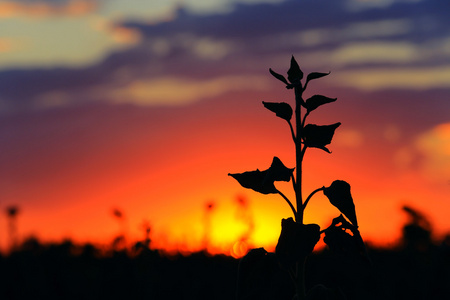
[339,195]
[319,136]
[339,239]
[315,75]
[255,180]
[294,72]
[263,181]
[278,171]
[282,110]
[316,101]
[278,76]
[296,241]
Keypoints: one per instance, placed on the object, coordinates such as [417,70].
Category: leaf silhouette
[316,101]
[282,110]
[319,136]
[296,241]
[263,181]
[278,171]
[278,76]
[339,195]
[315,75]
[255,180]
[294,72]
[339,239]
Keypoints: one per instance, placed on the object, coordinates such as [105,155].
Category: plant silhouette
[297,240]
[12,212]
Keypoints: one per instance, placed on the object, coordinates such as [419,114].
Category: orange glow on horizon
[167,179]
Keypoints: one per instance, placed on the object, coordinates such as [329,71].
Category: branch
[293,181]
[303,151]
[310,195]
[289,202]
[304,119]
[292,131]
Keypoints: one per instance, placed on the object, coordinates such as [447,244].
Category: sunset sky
[146,106]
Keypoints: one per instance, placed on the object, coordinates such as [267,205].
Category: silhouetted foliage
[297,240]
[12,212]
[417,233]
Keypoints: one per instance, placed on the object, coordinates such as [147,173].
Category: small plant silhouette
[12,212]
[297,240]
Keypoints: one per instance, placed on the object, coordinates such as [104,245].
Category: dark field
[416,269]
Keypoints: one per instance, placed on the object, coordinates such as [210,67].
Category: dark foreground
[66,271]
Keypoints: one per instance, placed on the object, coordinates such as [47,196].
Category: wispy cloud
[123,44]
[397,78]
[356,5]
[375,52]
[175,91]
[34,9]
[61,42]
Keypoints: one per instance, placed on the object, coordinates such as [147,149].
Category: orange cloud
[349,138]
[412,78]
[6,45]
[127,36]
[174,91]
[42,9]
[435,146]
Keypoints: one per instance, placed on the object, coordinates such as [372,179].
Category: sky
[146,106]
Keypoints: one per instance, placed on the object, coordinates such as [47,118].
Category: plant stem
[290,204]
[310,195]
[304,119]
[300,286]
[292,131]
[298,152]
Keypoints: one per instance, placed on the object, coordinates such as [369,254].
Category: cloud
[176,91]
[375,52]
[404,157]
[76,55]
[150,12]
[119,34]
[9,45]
[10,9]
[357,5]
[434,145]
[206,48]
[219,6]
[414,78]
[392,133]
[353,31]
[58,42]
[380,53]
[350,138]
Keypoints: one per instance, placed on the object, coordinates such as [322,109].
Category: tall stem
[300,286]
[298,152]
